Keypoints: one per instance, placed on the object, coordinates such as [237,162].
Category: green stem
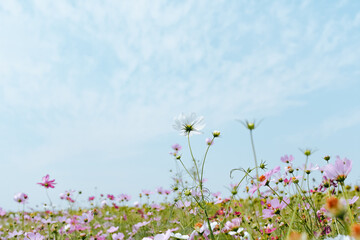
[192,156]
[203,163]
[187,170]
[256,168]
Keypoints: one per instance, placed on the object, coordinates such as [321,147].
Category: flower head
[339,170]
[209,141]
[287,159]
[21,197]
[189,124]
[47,183]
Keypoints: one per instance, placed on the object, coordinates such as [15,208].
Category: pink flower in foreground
[339,171]
[47,183]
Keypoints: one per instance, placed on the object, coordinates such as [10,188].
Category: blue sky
[89,89]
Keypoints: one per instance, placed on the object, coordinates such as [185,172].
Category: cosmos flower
[287,159]
[189,124]
[339,171]
[274,206]
[34,236]
[20,197]
[118,236]
[47,183]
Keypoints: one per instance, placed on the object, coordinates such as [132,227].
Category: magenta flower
[268,229]
[47,183]
[339,171]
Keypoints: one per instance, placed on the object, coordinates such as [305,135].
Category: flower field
[286,202]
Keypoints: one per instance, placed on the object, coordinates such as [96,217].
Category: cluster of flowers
[287,205]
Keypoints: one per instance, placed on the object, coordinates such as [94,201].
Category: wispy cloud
[87,76]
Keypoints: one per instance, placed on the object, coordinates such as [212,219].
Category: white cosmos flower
[189,124]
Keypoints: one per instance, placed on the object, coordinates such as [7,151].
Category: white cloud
[86,75]
[339,122]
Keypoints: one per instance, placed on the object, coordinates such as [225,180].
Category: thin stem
[47,194]
[203,163]
[187,170]
[192,156]
[256,168]
[302,180]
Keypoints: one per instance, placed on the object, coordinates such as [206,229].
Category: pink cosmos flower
[287,159]
[112,229]
[47,183]
[339,171]
[160,190]
[147,192]
[269,229]
[21,197]
[216,195]
[118,236]
[110,196]
[33,236]
[176,147]
[309,168]
[124,197]
[264,179]
[274,206]
[15,234]
[234,224]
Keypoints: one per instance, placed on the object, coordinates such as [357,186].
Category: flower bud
[250,126]
[307,152]
[216,133]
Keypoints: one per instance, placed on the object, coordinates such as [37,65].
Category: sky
[89,89]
